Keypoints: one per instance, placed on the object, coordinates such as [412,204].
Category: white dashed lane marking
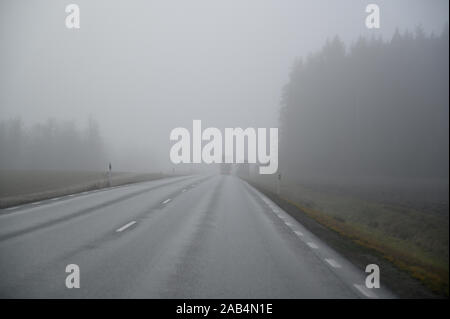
[333,263]
[298,233]
[166,201]
[126,226]
[312,245]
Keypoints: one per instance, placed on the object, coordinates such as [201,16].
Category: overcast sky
[142,68]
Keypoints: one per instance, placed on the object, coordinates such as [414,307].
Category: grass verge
[419,264]
[21,187]
[411,270]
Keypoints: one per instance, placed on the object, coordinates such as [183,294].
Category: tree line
[51,145]
[375,108]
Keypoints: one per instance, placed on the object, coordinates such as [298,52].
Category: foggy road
[183,237]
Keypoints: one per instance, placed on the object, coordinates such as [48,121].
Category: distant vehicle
[225,168]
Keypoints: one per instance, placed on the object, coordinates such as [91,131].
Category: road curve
[184,237]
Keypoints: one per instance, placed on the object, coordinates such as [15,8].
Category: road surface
[183,237]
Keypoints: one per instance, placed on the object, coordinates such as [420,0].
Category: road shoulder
[399,282]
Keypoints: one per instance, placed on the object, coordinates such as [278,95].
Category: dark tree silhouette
[51,145]
[376,109]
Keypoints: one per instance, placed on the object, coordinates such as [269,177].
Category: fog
[141,68]
[385,111]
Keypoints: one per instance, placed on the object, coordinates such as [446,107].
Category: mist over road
[183,237]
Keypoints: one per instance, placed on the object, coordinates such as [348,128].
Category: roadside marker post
[278,184]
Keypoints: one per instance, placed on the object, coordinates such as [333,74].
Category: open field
[408,228]
[19,187]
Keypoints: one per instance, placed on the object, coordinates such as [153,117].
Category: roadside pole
[278,184]
[109,175]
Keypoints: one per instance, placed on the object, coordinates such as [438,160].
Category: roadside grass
[21,187]
[405,223]
[22,182]
[414,241]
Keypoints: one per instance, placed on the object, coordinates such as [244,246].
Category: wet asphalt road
[184,237]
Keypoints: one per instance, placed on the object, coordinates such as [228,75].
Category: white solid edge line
[126,226]
[333,263]
[166,201]
[312,245]
[364,291]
